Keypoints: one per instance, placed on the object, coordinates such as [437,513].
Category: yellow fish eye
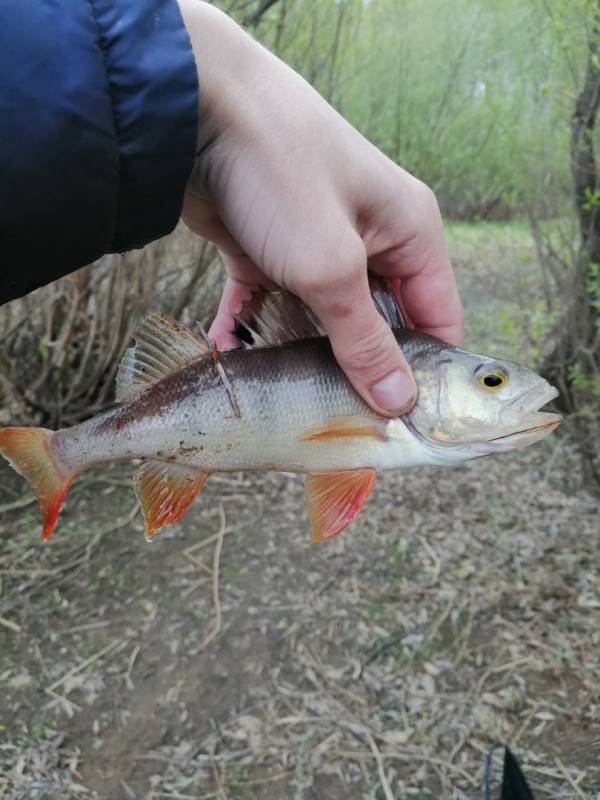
[492,380]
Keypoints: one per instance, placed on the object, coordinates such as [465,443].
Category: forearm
[291,193]
[97,132]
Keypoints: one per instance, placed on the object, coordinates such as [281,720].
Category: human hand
[293,195]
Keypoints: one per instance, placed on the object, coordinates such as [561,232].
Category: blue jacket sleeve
[98,125]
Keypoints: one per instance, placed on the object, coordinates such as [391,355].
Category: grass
[501,285]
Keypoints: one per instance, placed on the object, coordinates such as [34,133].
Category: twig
[134,654]
[7,623]
[70,706]
[84,664]
[236,757]
[22,502]
[216,358]
[218,626]
[407,757]
[207,541]
[437,564]
[221,793]
[387,790]
[89,626]
[178,796]
[279,776]
[569,779]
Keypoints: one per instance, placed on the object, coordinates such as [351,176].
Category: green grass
[501,284]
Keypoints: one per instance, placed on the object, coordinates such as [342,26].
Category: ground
[232,658]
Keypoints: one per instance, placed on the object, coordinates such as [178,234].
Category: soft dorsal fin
[165,492]
[336,498]
[162,345]
[274,318]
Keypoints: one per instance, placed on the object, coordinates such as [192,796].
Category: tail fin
[30,452]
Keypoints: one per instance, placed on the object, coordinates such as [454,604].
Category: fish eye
[493,380]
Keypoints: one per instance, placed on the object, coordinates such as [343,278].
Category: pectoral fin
[335,499]
[348,426]
[165,492]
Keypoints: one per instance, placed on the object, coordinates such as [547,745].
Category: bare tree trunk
[328,94]
[251,20]
[583,162]
[574,364]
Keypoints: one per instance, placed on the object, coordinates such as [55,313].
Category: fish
[280,402]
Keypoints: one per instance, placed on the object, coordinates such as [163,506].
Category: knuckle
[335,269]
[423,214]
[367,353]
[427,201]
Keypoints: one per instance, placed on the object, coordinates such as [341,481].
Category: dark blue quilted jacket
[98,123]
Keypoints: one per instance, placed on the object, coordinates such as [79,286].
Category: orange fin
[165,492]
[335,499]
[351,425]
[30,452]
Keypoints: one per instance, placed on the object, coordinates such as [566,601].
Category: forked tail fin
[30,452]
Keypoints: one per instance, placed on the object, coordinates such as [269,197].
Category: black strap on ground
[514,785]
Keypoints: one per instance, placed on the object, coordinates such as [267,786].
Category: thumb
[363,343]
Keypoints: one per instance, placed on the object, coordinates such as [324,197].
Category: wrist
[229,62]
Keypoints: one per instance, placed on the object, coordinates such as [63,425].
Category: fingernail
[395,392]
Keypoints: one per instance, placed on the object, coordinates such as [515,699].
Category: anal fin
[166,491]
[335,499]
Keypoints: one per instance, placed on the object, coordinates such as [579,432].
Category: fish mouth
[533,423]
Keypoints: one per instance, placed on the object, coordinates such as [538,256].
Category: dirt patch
[461,610]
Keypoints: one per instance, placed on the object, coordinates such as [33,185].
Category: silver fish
[282,403]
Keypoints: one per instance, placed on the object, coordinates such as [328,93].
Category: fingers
[243,278]
[428,291]
[362,342]
[234,293]
[433,304]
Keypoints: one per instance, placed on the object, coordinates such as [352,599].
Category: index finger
[418,260]
[432,302]
[424,282]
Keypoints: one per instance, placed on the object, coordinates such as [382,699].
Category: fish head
[471,405]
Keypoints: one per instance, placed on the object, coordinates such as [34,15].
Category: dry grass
[385,664]
[60,347]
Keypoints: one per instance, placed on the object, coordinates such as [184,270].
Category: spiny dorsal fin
[385,301]
[165,492]
[336,498]
[274,318]
[162,345]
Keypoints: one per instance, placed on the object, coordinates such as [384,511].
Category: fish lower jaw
[536,426]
